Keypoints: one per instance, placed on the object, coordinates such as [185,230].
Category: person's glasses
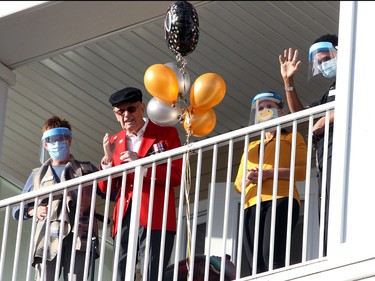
[55,139]
[130,109]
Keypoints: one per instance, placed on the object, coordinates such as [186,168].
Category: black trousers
[265,232]
[154,251]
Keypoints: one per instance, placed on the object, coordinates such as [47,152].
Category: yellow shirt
[268,163]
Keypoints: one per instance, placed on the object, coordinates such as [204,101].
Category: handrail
[146,162]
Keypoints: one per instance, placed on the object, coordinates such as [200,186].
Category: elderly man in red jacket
[137,139]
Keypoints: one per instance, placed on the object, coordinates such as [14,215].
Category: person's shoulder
[87,166]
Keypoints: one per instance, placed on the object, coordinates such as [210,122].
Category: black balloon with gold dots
[181,26]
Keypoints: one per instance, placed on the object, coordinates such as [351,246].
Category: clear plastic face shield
[322,60]
[265,106]
[56,141]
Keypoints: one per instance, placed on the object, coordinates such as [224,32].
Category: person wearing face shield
[322,61]
[61,166]
[267,106]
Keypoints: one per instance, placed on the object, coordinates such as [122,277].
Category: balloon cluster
[169,83]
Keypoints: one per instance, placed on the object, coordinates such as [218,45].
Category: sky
[10,7]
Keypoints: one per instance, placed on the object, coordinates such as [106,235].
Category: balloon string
[187,198]
[182,63]
[187,192]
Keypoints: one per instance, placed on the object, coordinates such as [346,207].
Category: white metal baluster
[134,223]
[46,235]
[89,241]
[242,204]
[104,230]
[307,190]
[227,201]
[324,184]
[18,241]
[5,239]
[195,214]
[149,222]
[31,243]
[210,213]
[180,218]
[61,232]
[259,202]
[75,231]
[119,226]
[164,222]
[291,192]
[274,197]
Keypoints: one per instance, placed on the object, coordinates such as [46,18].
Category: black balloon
[181,28]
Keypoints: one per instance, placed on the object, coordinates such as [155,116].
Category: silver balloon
[163,113]
[183,78]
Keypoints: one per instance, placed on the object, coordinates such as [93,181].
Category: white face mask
[328,68]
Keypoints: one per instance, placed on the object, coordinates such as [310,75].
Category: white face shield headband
[57,140]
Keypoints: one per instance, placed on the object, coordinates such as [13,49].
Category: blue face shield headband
[57,143]
[61,131]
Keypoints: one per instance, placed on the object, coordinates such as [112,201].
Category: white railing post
[134,223]
[4,241]
[164,222]
[119,224]
[210,211]
[149,221]
[104,231]
[180,216]
[291,192]
[307,191]
[242,204]
[274,196]
[195,215]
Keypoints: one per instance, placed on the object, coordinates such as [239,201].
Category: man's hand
[128,156]
[289,64]
[108,147]
[319,126]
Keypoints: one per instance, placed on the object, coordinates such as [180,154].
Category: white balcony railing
[207,165]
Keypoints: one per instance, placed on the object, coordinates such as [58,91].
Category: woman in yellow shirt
[266,106]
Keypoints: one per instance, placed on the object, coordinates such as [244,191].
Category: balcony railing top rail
[253,130]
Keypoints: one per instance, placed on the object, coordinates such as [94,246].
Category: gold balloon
[161,82]
[199,122]
[207,91]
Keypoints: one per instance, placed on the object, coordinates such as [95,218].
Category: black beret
[128,94]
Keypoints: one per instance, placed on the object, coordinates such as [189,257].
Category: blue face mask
[59,150]
[328,68]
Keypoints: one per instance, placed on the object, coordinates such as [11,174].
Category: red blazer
[153,134]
